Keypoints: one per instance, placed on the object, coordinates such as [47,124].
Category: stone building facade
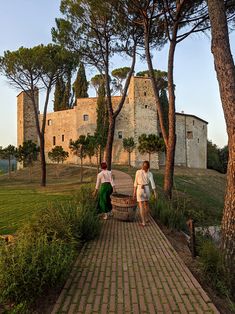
[138,116]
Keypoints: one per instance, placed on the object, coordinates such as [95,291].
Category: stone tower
[26,123]
[145,115]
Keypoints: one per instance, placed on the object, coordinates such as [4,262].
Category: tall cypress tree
[80,85]
[59,93]
[102,122]
[67,91]
[165,107]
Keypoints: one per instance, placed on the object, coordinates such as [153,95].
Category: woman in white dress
[143,178]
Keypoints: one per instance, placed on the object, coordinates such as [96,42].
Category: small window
[145,93]
[120,134]
[62,137]
[203,127]
[54,140]
[146,106]
[189,135]
[49,122]
[85,117]
[193,122]
[198,140]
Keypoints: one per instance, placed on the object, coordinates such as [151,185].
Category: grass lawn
[20,199]
[200,190]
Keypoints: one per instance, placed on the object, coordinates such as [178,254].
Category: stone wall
[26,122]
[191,142]
[145,116]
[60,129]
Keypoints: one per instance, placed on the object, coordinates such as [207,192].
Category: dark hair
[146,162]
[103,165]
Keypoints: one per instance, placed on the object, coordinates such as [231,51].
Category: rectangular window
[85,117]
[49,122]
[120,134]
[62,137]
[54,140]
[193,122]
[145,93]
[146,106]
[189,135]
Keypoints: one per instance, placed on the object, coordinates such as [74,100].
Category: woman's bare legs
[142,212]
[147,211]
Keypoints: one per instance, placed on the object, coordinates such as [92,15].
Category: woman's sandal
[105,217]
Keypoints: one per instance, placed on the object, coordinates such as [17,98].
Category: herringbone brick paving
[131,269]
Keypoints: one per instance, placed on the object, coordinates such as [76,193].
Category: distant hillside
[4,165]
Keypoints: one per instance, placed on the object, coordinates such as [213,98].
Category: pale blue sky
[28,23]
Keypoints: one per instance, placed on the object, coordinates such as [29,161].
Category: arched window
[120,134]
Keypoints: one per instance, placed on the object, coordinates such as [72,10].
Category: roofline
[191,115]
[142,77]
[20,93]
[95,97]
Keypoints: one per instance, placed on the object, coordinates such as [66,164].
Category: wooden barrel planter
[123,207]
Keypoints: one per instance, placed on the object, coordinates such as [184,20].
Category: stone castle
[138,116]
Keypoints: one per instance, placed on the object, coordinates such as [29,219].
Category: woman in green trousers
[104,188]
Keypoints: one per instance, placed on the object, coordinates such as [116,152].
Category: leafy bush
[169,214]
[88,223]
[213,265]
[31,265]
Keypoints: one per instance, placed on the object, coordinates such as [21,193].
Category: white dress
[142,180]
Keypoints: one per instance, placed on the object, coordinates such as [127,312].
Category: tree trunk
[30,173]
[43,160]
[57,170]
[170,148]
[109,145]
[81,177]
[129,159]
[225,70]
[9,167]
[97,161]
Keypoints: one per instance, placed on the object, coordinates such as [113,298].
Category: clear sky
[28,23]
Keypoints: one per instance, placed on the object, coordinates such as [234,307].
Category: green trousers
[104,200]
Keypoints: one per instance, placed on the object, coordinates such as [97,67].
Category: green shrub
[88,223]
[31,265]
[168,213]
[213,265]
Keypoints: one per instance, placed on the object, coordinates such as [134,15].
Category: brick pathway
[131,269]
